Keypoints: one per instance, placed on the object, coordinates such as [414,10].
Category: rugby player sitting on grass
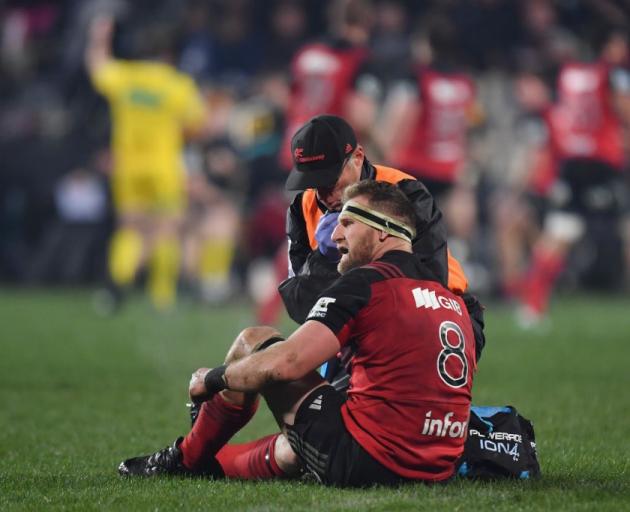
[412,352]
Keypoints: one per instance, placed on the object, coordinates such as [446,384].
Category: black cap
[319,150]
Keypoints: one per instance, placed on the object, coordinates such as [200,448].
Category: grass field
[79,393]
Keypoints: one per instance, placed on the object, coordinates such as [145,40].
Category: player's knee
[248,341]
[286,458]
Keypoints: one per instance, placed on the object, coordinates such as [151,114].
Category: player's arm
[305,350]
[319,339]
[99,47]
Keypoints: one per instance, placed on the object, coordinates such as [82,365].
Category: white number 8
[452,351]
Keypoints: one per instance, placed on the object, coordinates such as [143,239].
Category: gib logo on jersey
[443,427]
[428,299]
[320,308]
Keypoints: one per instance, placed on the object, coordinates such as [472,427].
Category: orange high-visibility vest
[457,281]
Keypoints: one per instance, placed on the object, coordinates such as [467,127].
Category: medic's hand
[323,234]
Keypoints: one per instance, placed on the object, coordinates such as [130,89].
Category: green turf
[78,393]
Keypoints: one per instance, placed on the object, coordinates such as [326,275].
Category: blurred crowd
[56,214]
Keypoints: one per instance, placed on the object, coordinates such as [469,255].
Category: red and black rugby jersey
[412,362]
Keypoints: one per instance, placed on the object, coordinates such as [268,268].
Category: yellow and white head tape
[377,220]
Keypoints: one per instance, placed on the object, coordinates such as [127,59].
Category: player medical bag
[500,444]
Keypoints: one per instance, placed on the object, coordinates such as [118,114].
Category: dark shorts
[327,449]
[589,187]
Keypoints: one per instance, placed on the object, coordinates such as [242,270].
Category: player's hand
[323,234]
[197,387]
[205,383]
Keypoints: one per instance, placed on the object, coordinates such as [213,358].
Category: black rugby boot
[167,461]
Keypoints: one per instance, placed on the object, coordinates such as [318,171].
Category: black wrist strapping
[268,343]
[215,380]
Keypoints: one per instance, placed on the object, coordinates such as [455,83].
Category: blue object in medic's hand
[323,234]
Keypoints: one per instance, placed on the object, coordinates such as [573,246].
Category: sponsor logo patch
[429,299]
[320,308]
[317,403]
[298,154]
[443,427]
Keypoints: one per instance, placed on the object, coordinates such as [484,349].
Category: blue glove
[323,234]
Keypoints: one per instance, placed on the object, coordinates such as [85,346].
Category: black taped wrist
[215,380]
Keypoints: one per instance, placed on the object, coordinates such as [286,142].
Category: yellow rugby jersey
[151,103]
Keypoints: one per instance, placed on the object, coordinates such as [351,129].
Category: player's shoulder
[355,282]
[380,271]
[401,265]
[110,76]
[391,266]
[173,75]
[111,67]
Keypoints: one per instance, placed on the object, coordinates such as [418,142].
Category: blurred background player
[323,80]
[519,202]
[425,126]
[212,226]
[49,113]
[587,127]
[324,73]
[151,106]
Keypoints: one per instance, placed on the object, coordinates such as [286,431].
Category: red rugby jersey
[412,363]
[322,76]
[438,147]
[583,123]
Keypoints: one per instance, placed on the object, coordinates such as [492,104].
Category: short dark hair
[384,197]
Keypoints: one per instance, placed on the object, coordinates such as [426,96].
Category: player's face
[356,242]
[351,172]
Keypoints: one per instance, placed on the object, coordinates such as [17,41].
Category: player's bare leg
[515,230]
[226,413]
[164,259]
[204,450]
[128,250]
[283,399]
[561,231]
[218,233]
[219,419]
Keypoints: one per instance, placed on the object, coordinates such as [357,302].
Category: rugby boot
[167,461]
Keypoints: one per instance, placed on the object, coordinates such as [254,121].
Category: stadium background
[54,127]
[80,392]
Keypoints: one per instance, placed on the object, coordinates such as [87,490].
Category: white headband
[378,220]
